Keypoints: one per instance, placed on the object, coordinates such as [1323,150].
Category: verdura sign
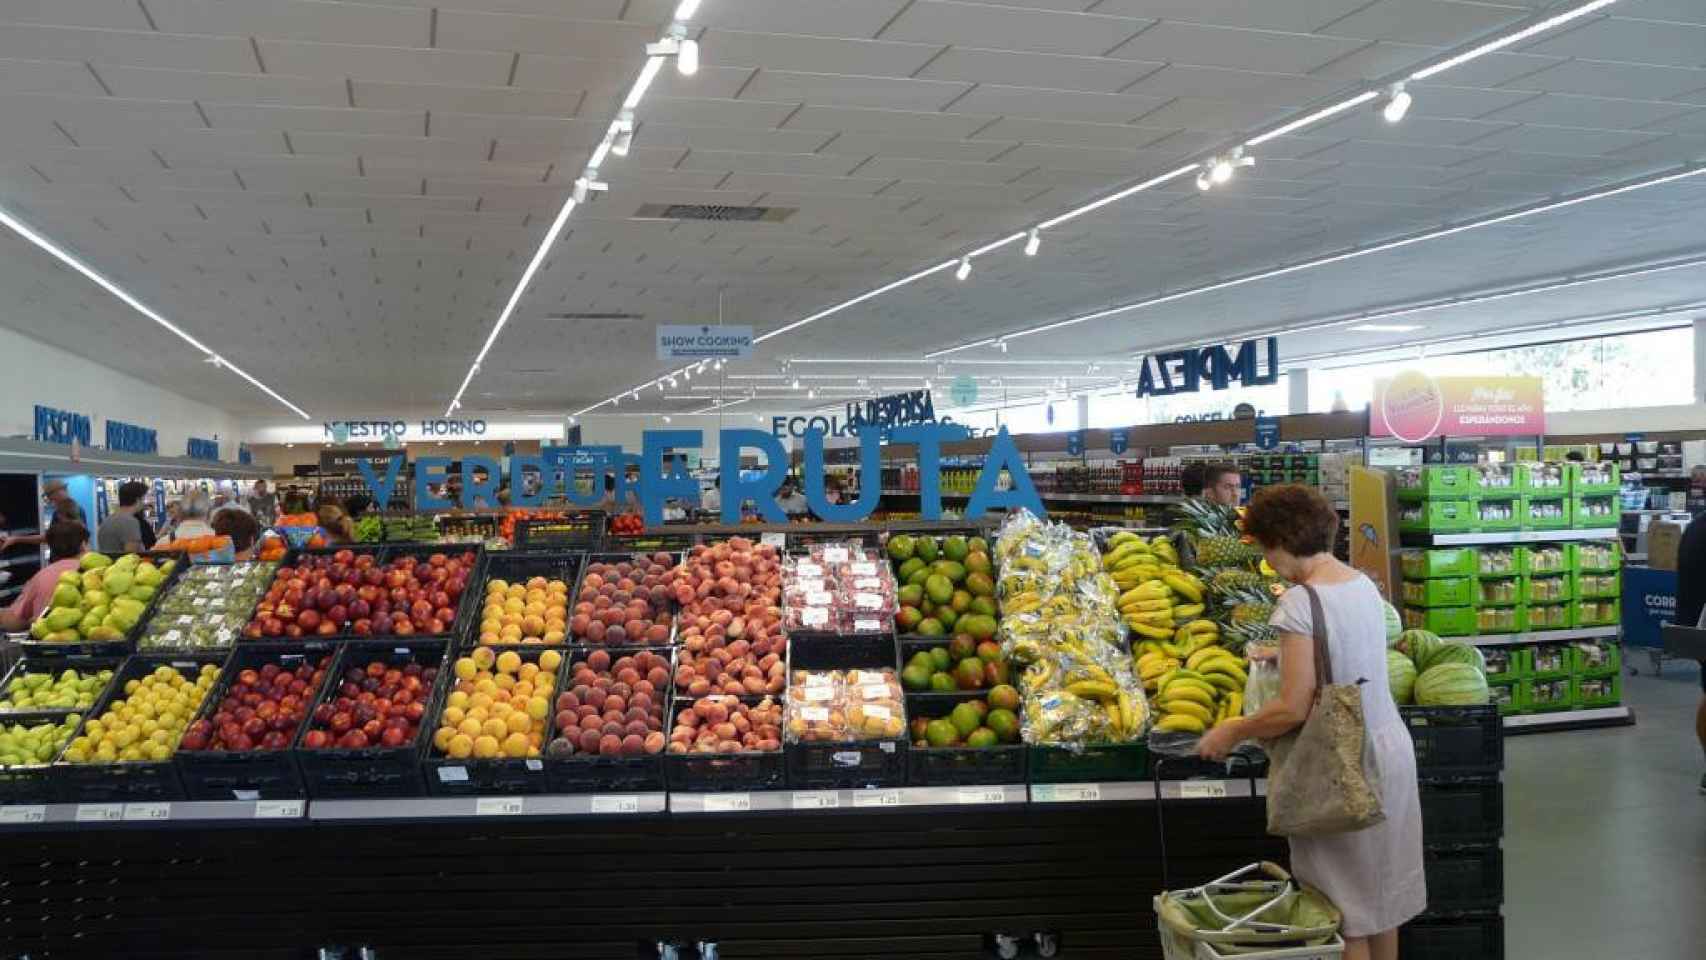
[661,477]
[1185,371]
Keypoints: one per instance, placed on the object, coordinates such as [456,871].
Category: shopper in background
[340,529]
[58,498]
[357,506]
[122,532]
[193,511]
[145,522]
[263,504]
[66,542]
[1690,599]
[1374,875]
[242,528]
[791,500]
[711,501]
[1222,484]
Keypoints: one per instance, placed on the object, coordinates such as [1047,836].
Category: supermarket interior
[836,479]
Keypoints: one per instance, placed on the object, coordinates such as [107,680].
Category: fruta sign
[659,482]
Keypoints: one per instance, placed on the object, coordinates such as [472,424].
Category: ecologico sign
[661,477]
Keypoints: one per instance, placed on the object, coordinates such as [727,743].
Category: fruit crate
[720,772]
[1540,617]
[467,606]
[1597,477]
[46,662]
[1544,511]
[622,773]
[1467,881]
[1547,696]
[332,773]
[1596,556]
[1589,692]
[1498,592]
[117,648]
[1415,483]
[1547,589]
[1440,592]
[1091,763]
[1419,564]
[1595,511]
[1491,621]
[809,650]
[1436,516]
[851,764]
[949,766]
[1497,561]
[1506,695]
[1444,621]
[1549,661]
[667,603]
[1456,741]
[516,567]
[1595,658]
[1480,938]
[1506,663]
[30,783]
[1587,585]
[1495,480]
[1494,512]
[649,543]
[1461,811]
[126,780]
[448,776]
[256,774]
[1601,612]
[1543,560]
[577,531]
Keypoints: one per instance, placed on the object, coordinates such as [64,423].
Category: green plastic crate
[1494,620]
[1444,621]
[1594,511]
[1415,483]
[1544,512]
[1547,695]
[1506,695]
[1598,477]
[1440,592]
[1542,560]
[1596,555]
[1491,513]
[1589,585]
[1603,612]
[1506,664]
[1498,561]
[1496,479]
[1437,562]
[1553,588]
[1549,477]
[1549,661]
[1595,658]
[1588,692]
[1498,592]
[1539,617]
[1435,516]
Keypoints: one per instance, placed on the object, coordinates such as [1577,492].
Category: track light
[573,421]
[1002,343]
[1203,181]
[1220,171]
[580,190]
[1398,102]
[624,139]
[811,394]
[719,364]
[1033,240]
[687,59]
[964,269]
[927,383]
[796,383]
[667,418]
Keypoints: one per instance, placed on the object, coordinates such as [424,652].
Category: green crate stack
[1546,478]
[1544,511]
[1602,612]
[1590,511]
[1438,562]
[1439,592]
[1549,661]
[1444,621]
[1589,692]
[1506,664]
[1595,658]
[1435,515]
[1492,513]
[1596,556]
[1544,559]
[1506,695]
[1547,616]
[1548,695]
[1547,588]
[1496,480]
[1437,482]
[1595,477]
[1593,585]
[1498,597]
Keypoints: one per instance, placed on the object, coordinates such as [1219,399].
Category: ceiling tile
[1051,71]
[653,134]
[1497,70]
[866,58]
[1207,46]
[1118,136]
[898,123]
[344,120]
[1602,78]
[480,128]
[48,76]
[1569,110]
[1402,154]
[1198,113]
[1569,141]
[1369,125]
[1438,100]
[873,144]
[352,145]
[539,72]
[448,99]
[275,89]
[941,171]
[465,30]
[1635,41]
[390,26]
[1692,122]
[887,93]
[1680,11]
[806,163]
[823,18]
[388,64]
[1114,163]
[75,13]
[1003,28]
[1294,16]
[134,49]
[1376,61]
[1216,83]
[1444,22]
[1056,104]
[743,114]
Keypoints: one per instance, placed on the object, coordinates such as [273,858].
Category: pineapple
[1214,531]
[1255,605]
[1234,580]
[1239,636]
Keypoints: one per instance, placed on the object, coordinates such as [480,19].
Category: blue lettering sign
[1182,371]
[762,488]
[661,480]
[61,426]
[1118,441]
[129,438]
[1075,443]
[1267,433]
[550,481]
[1004,455]
[430,472]
[382,490]
[199,449]
[477,493]
[870,479]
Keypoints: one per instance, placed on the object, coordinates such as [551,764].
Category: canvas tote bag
[1322,777]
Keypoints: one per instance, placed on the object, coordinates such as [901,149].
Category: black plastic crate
[717,772]
[1465,880]
[255,774]
[1481,938]
[1457,812]
[449,776]
[1091,763]
[330,773]
[835,651]
[577,531]
[467,605]
[650,542]
[1249,762]
[127,780]
[116,648]
[668,603]
[514,568]
[1456,741]
[593,773]
[851,765]
[949,766]
[43,661]
[32,783]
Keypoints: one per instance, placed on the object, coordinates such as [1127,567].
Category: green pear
[70,578]
[95,598]
[167,568]
[94,561]
[88,624]
[141,594]
[127,562]
[63,618]
[63,636]
[40,629]
[148,575]
[93,579]
[104,634]
[65,595]
[98,613]
[118,581]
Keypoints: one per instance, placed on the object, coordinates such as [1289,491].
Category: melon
[1455,651]
[1400,676]
[1394,625]
[1451,685]
[1419,645]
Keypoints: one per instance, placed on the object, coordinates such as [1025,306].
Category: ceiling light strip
[64,256]
[1510,39]
[1340,257]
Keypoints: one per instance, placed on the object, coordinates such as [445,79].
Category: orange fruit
[509,662]
[494,728]
[441,739]
[484,657]
[465,668]
[485,747]
[460,746]
[550,660]
[470,727]
[518,722]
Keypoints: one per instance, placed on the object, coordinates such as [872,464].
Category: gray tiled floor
[1605,833]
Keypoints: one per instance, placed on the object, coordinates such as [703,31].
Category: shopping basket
[1255,913]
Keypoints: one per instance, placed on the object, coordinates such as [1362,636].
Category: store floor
[1605,832]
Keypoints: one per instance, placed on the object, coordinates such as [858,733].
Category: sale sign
[1413,406]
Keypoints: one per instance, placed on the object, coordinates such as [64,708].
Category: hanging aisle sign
[1118,441]
[1184,371]
[895,410]
[1267,433]
[1075,443]
[203,449]
[61,426]
[1413,406]
[129,438]
[693,342]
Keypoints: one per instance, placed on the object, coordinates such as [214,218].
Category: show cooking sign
[694,342]
[1413,407]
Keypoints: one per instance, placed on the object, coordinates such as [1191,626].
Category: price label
[615,804]
[816,692]
[727,802]
[874,691]
[867,626]
[1202,790]
[868,601]
[27,814]
[814,616]
[834,554]
[805,569]
[99,812]
[777,540]
[498,806]
[278,809]
[868,583]
[863,569]
[814,714]
[876,798]
[818,598]
[982,795]
[1069,792]
[147,811]
[452,774]
[877,711]
[817,800]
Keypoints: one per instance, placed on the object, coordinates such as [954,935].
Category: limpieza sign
[1184,371]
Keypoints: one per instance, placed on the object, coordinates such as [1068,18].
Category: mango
[954,548]
[980,626]
[931,627]
[925,547]
[938,588]
[93,579]
[901,547]
[951,569]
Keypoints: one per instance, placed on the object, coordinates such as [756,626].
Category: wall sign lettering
[61,426]
[1185,371]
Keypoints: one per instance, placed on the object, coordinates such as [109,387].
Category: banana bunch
[1156,596]
[1193,690]
[1072,700]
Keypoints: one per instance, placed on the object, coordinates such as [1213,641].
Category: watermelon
[1451,685]
[1394,625]
[1400,676]
[1419,645]
[1455,651]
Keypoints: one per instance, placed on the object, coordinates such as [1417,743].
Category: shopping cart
[1253,913]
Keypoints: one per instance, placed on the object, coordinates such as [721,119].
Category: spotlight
[667,419]
[1220,171]
[796,383]
[964,269]
[1203,181]
[1032,242]
[1398,102]
[624,141]
[687,59]
[1002,343]
[811,394]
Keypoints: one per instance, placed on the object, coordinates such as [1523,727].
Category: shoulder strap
[1318,619]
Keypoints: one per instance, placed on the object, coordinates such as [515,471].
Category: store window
[1124,410]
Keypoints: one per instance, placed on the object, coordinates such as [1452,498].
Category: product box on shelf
[611,722]
[1590,692]
[154,776]
[1436,516]
[1596,556]
[1491,513]
[1493,480]
[1418,564]
[1444,621]
[486,734]
[1549,661]
[1547,696]
[1550,477]
[1498,591]
[1495,620]
[1602,612]
[1600,476]
[239,749]
[1548,616]
[1544,512]
[1439,592]
[1595,510]
[1542,559]
[1593,586]
[1496,561]
[1506,663]
[1595,658]
[1433,482]
[1547,589]
[1506,695]
[336,765]
[957,761]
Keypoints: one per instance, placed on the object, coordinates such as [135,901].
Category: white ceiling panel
[1206,46]
[1441,100]
[992,100]
[1299,16]
[75,13]
[886,93]
[870,58]
[1051,71]
[729,162]
[451,99]
[390,26]
[1680,11]
[249,88]
[1604,78]
[540,72]
[1203,114]
[1570,141]
[1425,21]
[1621,38]
[481,127]
[824,18]
[1221,84]
[483,68]
[127,48]
[743,114]
[1568,110]
[306,119]
[466,30]
[48,76]
[891,122]
[670,135]
[1012,28]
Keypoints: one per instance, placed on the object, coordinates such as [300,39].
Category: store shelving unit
[1506,536]
[1149,498]
[1540,636]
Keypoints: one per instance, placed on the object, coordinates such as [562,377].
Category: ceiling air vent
[715,212]
[595,316]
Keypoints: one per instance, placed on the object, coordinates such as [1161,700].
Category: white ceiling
[341,196]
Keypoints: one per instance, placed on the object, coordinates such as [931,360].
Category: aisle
[1605,833]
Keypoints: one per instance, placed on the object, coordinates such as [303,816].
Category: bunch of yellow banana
[1155,608]
[1194,694]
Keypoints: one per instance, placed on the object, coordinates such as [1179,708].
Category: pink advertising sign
[1413,406]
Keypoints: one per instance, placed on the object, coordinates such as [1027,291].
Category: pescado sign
[661,476]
